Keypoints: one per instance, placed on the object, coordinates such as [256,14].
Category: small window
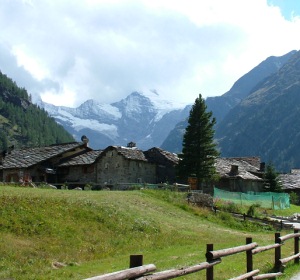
[139,180]
[117,165]
[106,166]
[88,169]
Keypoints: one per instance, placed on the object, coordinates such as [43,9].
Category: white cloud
[104,49]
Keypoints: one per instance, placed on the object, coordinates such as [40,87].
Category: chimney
[234,170]
[262,167]
[131,145]
[85,140]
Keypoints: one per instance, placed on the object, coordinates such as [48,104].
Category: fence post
[249,258]
[296,246]
[210,270]
[135,261]
[277,252]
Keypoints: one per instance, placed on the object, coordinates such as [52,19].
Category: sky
[66,52]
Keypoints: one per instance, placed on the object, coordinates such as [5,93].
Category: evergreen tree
[199,150]
[272,183]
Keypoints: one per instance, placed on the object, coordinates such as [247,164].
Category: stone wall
[113,169]
[77,174]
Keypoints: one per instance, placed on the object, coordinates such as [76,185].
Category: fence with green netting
[264,199]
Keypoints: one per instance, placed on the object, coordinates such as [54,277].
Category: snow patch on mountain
[143,118]
[92,107]
[109,130]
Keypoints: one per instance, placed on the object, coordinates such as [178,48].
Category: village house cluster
[76,165]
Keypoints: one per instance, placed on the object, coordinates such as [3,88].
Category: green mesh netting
[265,199]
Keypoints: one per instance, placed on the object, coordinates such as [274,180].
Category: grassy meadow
[61,234]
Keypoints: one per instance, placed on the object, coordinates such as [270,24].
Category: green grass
[93,233]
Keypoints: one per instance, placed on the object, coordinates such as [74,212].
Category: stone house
[242,174]
[119,165]
[79,170]
[165,162]
[38,164]
[290,181]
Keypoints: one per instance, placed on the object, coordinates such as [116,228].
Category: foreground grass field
[60,234]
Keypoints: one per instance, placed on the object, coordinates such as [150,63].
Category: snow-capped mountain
[142,118]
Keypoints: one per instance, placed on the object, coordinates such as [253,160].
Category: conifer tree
[199,149]
[272,183]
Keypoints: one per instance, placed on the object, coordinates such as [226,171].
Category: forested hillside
[23,123]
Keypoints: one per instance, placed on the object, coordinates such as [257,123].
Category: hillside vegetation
[23,123]
[61,234]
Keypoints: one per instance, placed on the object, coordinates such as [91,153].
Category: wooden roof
[27,157]
[84,159]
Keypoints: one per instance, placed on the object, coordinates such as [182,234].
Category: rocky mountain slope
[222,105]
[142,118]
[267,121]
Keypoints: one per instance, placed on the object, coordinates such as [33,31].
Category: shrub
[227,206]
[251,210]
[294,198]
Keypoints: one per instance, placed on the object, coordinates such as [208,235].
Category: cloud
[104,50]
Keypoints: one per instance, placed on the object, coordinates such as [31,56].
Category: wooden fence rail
[139,271]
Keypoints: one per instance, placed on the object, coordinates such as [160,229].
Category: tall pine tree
[199,150]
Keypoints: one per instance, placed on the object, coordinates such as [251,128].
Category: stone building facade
[165,162]
[79,170]
[120,165]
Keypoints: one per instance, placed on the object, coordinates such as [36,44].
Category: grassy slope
[95,232]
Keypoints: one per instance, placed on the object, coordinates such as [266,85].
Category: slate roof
[83,159]
[172,157]
[291,180]
[245,169]
[253,161]
[27,157]
[128,153]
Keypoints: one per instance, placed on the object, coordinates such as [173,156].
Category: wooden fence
[139,271]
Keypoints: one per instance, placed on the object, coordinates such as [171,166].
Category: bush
[227,206]
[294,198]
[251,211]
